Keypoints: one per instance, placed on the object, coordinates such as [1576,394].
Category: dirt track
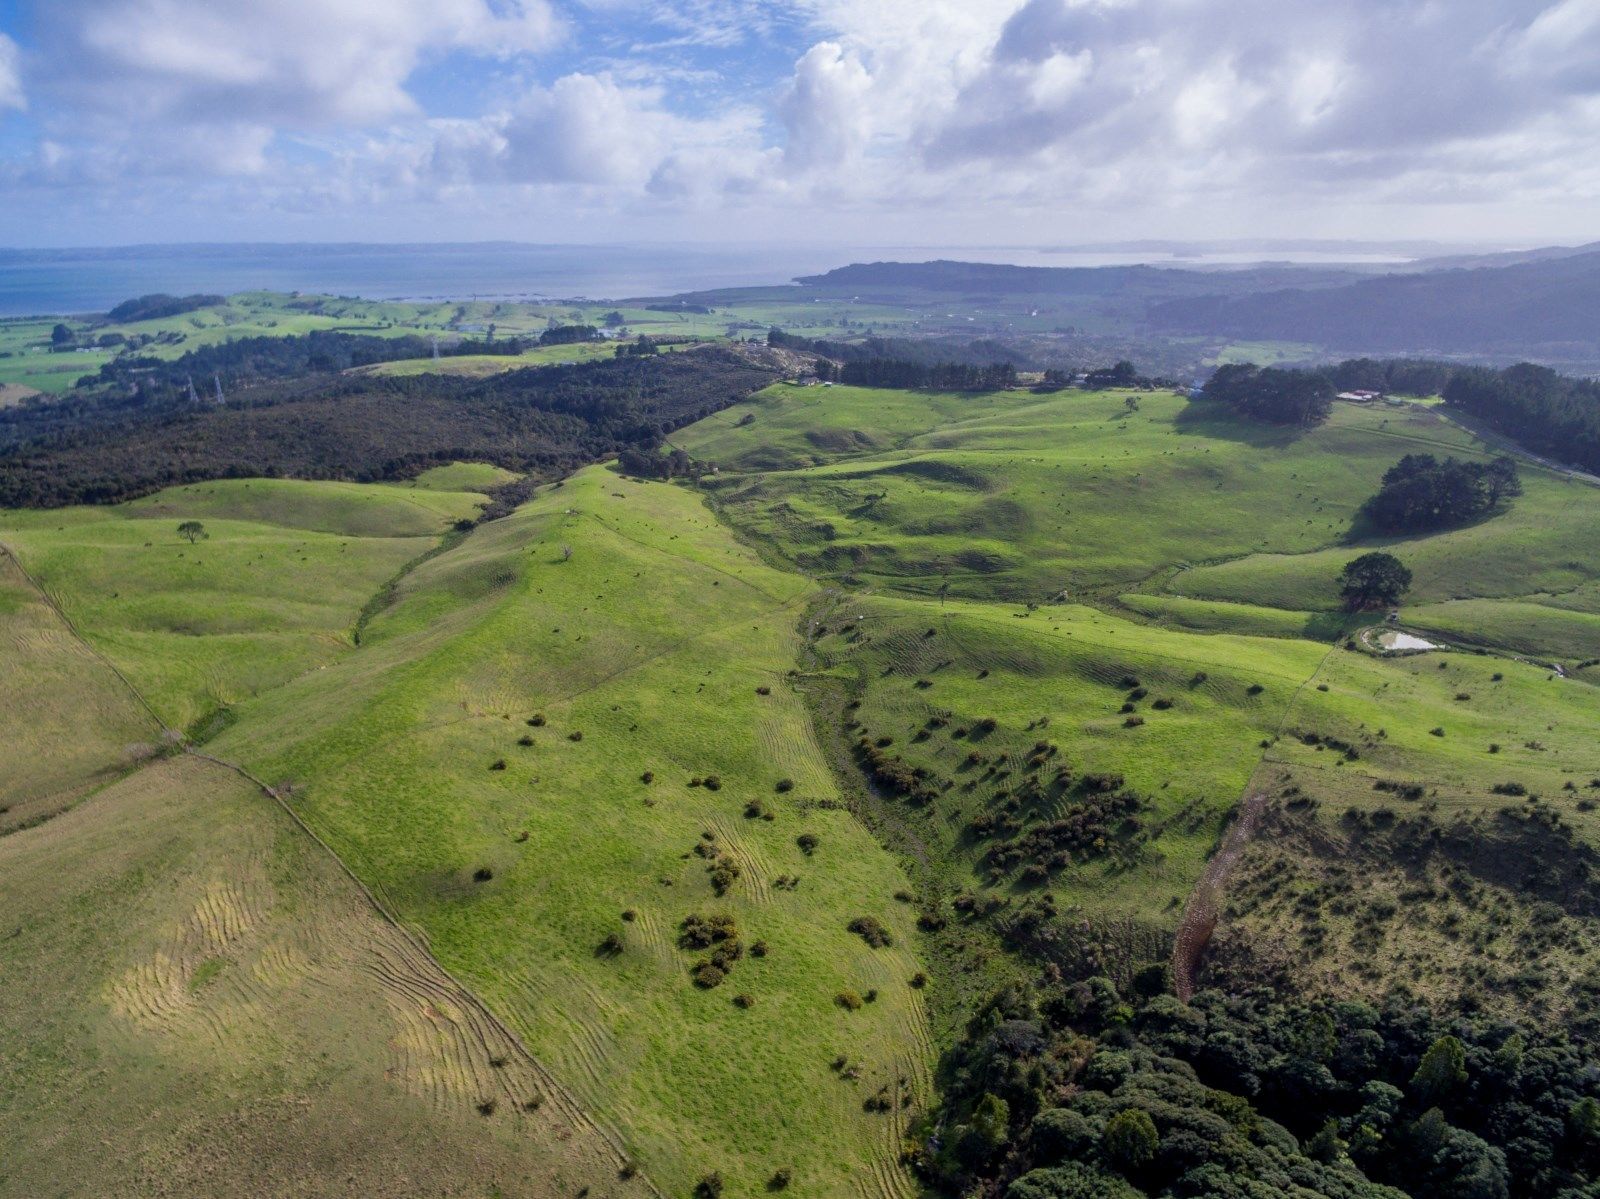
[1205,901]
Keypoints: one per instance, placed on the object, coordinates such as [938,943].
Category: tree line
[1545,411]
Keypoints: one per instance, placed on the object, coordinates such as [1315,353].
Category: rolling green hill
[773,820]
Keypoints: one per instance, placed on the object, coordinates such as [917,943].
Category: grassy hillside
[69,721]
[198,1002]
[272,590]
[1212,546]
[665,648]
[1028,495]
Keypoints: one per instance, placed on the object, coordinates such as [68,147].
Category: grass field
[197,1002]
[272,590]
[651,643]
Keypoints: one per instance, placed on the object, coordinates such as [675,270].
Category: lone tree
[192,529]
[1375,580]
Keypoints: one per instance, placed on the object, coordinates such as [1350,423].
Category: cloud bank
[1043,114]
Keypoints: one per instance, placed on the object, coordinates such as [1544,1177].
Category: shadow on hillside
[1212,418]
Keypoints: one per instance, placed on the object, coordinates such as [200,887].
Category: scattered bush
[871,931]
[848,1000]
[708,975]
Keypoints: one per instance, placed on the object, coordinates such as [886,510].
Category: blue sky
[899,122]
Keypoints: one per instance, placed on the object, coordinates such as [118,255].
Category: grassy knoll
[460,476]
[271,591]
[198,1002]
[653,644]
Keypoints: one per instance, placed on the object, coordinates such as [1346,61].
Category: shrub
[848,1000]
[701,932]
[537,720]
[630,915]
[524,740]
[919,980]
[744,1000]
[871,931]
[711,783]
[1161,705]
[872,995]
[783,785]
[754,810]
[482,874]
[807,842]
[575,735]
[1254,689]
[648,776]
[708,975]
[758,949]
[763,690]
[709,1186]
[1436,732]
[1130,1138]
[611,946]
[1133,722]
[780,1179]
[498,764]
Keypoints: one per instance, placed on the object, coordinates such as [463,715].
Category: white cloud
[1112,110]
[290,63]
[11,95]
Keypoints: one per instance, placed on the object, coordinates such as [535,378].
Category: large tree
[1375,580]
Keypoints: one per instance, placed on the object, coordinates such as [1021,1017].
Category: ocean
[93,280]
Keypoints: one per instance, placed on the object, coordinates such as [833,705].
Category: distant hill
[1545,305]
[998,279]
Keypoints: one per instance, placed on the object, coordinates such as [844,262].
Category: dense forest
[1544,411]
[543,419]
[1076,1091]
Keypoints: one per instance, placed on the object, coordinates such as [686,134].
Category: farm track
[1205,901]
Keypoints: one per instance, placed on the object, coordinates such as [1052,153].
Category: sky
[896,122]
